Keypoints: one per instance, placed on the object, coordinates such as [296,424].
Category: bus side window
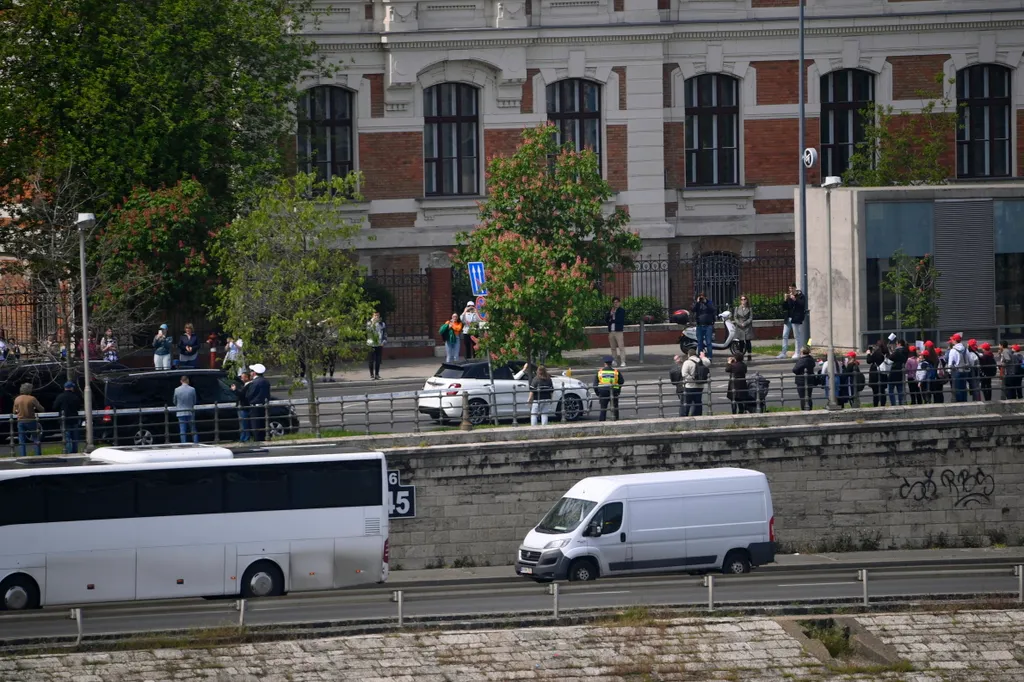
[22,501]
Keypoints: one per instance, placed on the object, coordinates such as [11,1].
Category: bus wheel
[262,579]
[19,593]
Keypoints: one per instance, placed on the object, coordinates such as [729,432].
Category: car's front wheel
[571,408]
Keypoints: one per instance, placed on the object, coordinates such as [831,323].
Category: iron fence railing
[422,410]
[409,309]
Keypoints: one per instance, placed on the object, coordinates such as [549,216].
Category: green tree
[148,93]
[153,251]
[555,195]
[904,148]
[536,303]
[913,281]
[292,287]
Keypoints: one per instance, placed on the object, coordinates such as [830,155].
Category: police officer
[608,385]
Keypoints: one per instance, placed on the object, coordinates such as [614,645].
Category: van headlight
[555,544]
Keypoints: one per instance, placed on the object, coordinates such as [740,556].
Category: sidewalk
[657,358]
[901,558]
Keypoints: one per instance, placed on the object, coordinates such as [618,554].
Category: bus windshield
[567,514]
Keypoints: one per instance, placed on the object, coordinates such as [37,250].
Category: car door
[504,390]
[612,545]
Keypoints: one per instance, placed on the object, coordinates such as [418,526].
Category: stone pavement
[972,645]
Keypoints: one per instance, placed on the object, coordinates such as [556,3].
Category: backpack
[700,371]
[762,385]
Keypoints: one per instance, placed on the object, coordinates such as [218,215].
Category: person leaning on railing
[68,404]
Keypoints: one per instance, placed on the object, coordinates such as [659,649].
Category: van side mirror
[593,531]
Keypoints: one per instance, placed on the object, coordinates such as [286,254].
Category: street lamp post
[85,221]
[801,76]
[830,183]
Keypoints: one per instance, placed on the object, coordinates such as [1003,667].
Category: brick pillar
[439,283]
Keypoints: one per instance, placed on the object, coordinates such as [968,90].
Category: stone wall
[866,479]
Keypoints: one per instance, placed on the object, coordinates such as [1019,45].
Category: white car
[441,397]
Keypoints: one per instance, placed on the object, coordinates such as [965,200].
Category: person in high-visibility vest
[608,385]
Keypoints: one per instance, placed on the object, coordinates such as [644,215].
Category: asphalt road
[390,406]
[504,598]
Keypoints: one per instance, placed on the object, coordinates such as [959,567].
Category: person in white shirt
[470,320]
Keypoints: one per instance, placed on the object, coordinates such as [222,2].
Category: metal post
[831,359]
[240,605]
[641,340]
[1019,572]
[401,614]
[77,615]
[391,410]
[862,575]
[661,396]
[87,389]
[554,591]
[216,423]
[709,581]
[167,423]
[466,425]
[803,179]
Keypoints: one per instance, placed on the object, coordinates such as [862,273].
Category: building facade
[692,105]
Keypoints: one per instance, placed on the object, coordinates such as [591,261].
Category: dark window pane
[430,177]
[467,100]
[85,497]
[340,101]
[342,144]
[552,97]
[690,89]
[727,91]
[999,82]
[610,518]
[447,143]
[727,167]
[691,131]
[592,135]
[336,484]
[705,91]
[469,172]
[430,141]
[447,103]
[1000,126]
[448,176]
[467,139]
[570,97]
[843,124]
[590,97]
[252,489]
[707,131]
[430,101]
[180,492]
[727,130]
[22,500]
[841,85]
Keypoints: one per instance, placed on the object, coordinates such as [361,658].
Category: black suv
[119,420]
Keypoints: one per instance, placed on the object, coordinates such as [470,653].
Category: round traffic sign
[810,157]
[481,302]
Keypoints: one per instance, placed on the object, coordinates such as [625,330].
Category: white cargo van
[644,523]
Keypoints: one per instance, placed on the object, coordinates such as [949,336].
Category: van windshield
[565,516]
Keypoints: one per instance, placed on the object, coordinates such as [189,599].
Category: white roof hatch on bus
[142,454]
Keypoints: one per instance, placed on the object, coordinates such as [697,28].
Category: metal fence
[30,317]
[420,411]
[409,314]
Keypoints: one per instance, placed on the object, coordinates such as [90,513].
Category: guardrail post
[466,425]
[216,423]
[399,597]
[416,410]
[240,605]
[554,592]
[76,615]
[167,423]
[862,575]
[11,437]
[641,359]
[515,407]
[391,406]
[366,412]
[1019,572]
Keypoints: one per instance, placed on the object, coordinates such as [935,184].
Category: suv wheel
[143,437]
[275,428]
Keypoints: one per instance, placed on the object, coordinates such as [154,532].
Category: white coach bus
[189,521]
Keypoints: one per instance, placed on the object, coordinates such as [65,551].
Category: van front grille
[527,555]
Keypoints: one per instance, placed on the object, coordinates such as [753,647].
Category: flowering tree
[913,281]
[555,195]
[536,300]
[151,255]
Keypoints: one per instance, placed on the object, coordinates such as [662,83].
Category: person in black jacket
[878,378]
[899,356]
[705,314]
[188,347]
[239,388]
[258,395]
[68,404]
[987,366]
[739,390]
[616,321]
[804,371]
[797,315]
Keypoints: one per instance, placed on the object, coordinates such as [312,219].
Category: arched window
[451,140]
[712,130]
[983,136]
[325,131]
[574,108]
[844,97]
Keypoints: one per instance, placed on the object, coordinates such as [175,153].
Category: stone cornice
[617,33]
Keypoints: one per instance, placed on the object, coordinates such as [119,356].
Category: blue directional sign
[476,278]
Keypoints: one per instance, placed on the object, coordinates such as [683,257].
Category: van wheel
[582,570]
[262,579]
[736,562]
[19,592]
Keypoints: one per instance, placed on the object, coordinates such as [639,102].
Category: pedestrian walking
[108,346]
[26,410]
[803,368]
[987,369]
[185,405]
[898,357]
[257,392]
[608,385]
[738,389]
[705,314]
[616,321]
[470,321]
[239,388]
[376,337]
[910,371]
[162,346]
[68,404]
[743,318]
[541,389]
[696,375]
[675,375]
[188,347]
[451,332]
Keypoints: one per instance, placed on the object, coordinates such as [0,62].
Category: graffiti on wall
[967,488]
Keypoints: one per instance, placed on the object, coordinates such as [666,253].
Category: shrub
[637,307]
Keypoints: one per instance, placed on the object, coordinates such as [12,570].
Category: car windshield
[565,516]
[449,372]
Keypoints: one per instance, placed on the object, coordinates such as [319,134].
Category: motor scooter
[688,337]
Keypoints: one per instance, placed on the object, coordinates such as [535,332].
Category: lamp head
[85,221]
[832,181]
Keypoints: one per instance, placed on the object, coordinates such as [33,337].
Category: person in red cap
[898,355]
[987,365]
[852,382]
[879,366]
[1014,372]
[936,372]
[910,369]
[974,380]
[961,363]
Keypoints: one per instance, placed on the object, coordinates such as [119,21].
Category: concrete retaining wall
[861,479]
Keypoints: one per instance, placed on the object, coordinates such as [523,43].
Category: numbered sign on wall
[401,498]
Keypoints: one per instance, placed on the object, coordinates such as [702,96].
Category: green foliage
[913,280]
[639,306]
[379,296]
[292,288]
[152,253]
[904,148]
[554,195]
[535,301]
[764,306]
[147,93]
